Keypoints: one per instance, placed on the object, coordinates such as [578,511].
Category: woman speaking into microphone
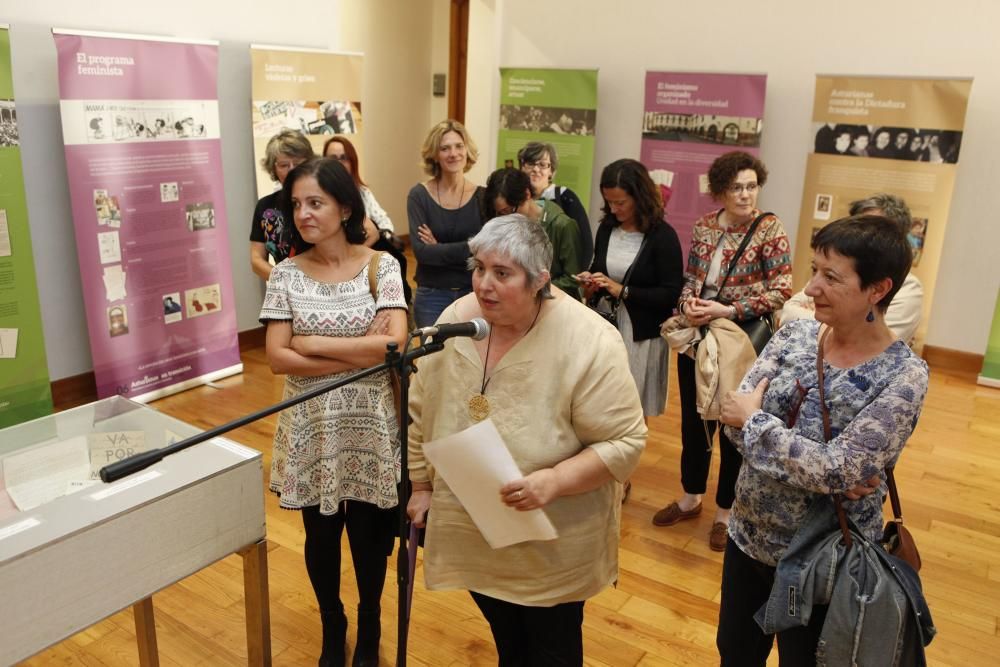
[553,377]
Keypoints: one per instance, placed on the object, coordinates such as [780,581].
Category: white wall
[405,42]
[394,35]
[791,41]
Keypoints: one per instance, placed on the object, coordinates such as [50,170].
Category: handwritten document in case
[475,463]
[40,474]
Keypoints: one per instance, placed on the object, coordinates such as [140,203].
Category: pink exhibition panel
[140,123]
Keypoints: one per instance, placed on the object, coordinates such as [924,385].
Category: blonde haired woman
[443,215]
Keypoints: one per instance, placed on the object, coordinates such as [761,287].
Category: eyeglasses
[510,210]
[738,188]
[541,166]
[342,158]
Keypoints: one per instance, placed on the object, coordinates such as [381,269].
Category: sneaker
[717,536]
[673,513]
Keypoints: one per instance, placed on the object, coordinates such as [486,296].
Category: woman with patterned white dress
[336,457]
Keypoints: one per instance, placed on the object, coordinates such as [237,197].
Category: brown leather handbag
[896,538]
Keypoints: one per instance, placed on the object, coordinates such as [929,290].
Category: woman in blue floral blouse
[874,386]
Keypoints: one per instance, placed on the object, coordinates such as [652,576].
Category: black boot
[369,634]
[334,638]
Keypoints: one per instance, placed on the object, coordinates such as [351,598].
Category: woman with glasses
[285,151]
[444,213]
[759,281]
[873,390]
[539,161]
[379,230]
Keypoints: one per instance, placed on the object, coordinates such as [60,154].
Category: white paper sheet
[4,234]
[38,475]
[475,463]
[111,251]
[8,343]
[114,283]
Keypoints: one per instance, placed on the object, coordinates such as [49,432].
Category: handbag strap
[742,247]
[890,480]
[828,434]
[820,381]
[635,260]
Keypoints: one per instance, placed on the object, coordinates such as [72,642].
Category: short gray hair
[892,207]
[520,239]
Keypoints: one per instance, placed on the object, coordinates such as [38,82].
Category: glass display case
[74,550]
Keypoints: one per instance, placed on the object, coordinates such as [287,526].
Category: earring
[870,317]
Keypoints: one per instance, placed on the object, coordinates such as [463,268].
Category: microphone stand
[401,365]
[403,370]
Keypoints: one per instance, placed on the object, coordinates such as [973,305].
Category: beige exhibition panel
[80,558]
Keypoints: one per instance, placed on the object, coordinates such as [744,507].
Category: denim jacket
[876,611]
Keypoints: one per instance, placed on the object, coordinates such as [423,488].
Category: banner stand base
[163,392]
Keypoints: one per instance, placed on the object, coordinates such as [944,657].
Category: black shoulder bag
[601,301]
[758,328]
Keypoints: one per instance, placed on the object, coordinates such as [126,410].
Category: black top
[443,265]
[656,280]
[266,226]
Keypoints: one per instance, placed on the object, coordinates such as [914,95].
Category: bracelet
[732,315]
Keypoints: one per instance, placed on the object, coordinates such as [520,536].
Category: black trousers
[746,585]
[367,527]
[528,636]
[696,446]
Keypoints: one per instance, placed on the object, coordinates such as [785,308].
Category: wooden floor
[663,611]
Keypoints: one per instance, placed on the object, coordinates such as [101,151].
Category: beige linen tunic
[563,387]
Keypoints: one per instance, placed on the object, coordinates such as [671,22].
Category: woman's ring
[519,494]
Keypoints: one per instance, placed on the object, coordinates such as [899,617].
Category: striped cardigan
[762,279]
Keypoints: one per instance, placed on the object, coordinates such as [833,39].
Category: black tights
[696,445]
[534,636]
[366,533]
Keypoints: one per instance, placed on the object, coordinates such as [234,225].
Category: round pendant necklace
[479,405]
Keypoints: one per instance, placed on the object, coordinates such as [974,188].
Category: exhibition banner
[689,119]
[315,92]
[884,134]
[557,106]
[990,375]
[24,377]
[140,119]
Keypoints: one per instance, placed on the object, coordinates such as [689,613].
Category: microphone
[476,329]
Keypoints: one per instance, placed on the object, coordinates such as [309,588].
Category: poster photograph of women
[891,143]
